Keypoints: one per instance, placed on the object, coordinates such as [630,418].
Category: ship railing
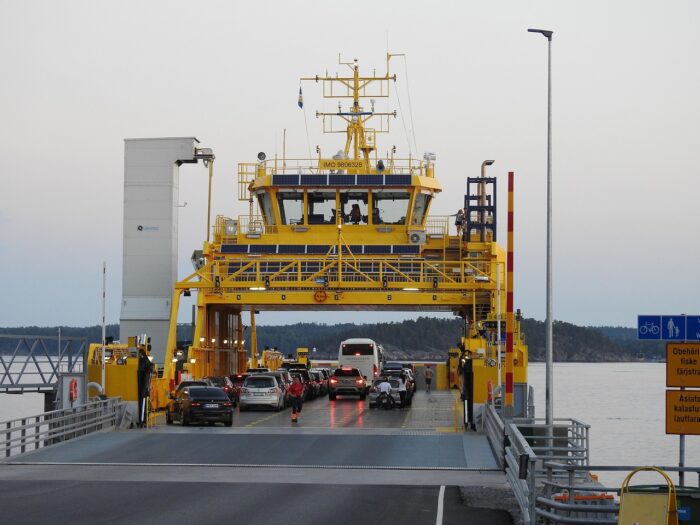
[437,225]
[579,499]
[353,271]
[33,432]
[254,225]
[248,171]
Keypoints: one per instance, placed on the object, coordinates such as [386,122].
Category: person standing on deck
[402,390]
[428,378]
[296,392]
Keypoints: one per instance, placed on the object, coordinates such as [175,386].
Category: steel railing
[34,363]
[34,432]
[348,270]
[566,501]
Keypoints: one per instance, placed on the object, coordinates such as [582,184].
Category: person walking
[296,393]
[402,390]
[428,378]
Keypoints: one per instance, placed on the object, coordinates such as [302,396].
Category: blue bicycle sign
[649,327]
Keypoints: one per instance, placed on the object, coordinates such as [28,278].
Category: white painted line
[441,498]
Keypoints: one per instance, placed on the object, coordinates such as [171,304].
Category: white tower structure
[151,181]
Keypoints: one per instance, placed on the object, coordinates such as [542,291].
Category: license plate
[259,394]
[211,405]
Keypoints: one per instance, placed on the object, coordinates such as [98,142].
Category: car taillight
[333,380]
[227,389]
[274,390]
[195,404]
[359,381]
[228,404]
[376,372]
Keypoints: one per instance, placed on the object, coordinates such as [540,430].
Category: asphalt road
[343,463]
[168,503]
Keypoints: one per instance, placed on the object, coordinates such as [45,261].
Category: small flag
[301,99]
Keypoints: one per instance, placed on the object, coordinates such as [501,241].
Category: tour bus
[363,354]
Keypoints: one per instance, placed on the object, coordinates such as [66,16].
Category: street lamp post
[548,321]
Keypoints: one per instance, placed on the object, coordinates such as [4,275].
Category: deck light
[213,340]
[193,360]
[201,339]
[410,289]
[225,341]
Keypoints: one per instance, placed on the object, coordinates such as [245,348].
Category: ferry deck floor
[343,462]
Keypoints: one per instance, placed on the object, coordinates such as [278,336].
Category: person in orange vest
[296,393]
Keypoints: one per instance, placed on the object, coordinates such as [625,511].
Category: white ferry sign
[683,412]
[683,365]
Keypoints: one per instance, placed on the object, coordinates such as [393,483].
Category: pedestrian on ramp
[428,377]
[296,393]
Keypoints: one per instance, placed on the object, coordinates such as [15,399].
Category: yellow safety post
[638,508]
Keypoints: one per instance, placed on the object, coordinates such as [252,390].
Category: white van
[363,354]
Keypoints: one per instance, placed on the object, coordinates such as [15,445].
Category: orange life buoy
[320,296]
[73,390]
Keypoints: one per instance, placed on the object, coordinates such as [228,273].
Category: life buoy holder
[320,296]
[73,390]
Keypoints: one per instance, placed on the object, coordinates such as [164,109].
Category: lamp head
[487,162]
[547,34]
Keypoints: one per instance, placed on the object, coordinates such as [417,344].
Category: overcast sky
[79,77]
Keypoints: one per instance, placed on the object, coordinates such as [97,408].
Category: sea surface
[623,402]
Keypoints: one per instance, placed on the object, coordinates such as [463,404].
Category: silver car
[374,391]
[261,390]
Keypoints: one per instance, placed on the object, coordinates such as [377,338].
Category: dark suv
[347,381]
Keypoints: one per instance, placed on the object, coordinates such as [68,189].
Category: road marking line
[441,502]
[261,420]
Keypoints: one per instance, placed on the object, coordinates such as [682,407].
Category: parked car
[309,388]
[237,380]
[285,379]
[200,403]
[325,376]
[224,383]
[184,385]
[320,381]
[410,382]
[293,365]
[374,391]
[347,381]
[258,370]
[261,390]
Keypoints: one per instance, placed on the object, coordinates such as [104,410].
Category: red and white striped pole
[510,321]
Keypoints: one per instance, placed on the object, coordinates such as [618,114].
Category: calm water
[623,402]
[625,405]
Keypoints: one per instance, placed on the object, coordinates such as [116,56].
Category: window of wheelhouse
[389,206]
[354,207]
[321,207]
[265,203]
[291,204]
[420,208]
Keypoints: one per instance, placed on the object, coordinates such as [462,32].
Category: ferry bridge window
[291,205]
[389,207]
[321,207]
[265,203]
[354,207]
[420,208]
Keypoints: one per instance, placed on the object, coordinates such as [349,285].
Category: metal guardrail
[18,436]
[521,471]
[33,363]
[576,510]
